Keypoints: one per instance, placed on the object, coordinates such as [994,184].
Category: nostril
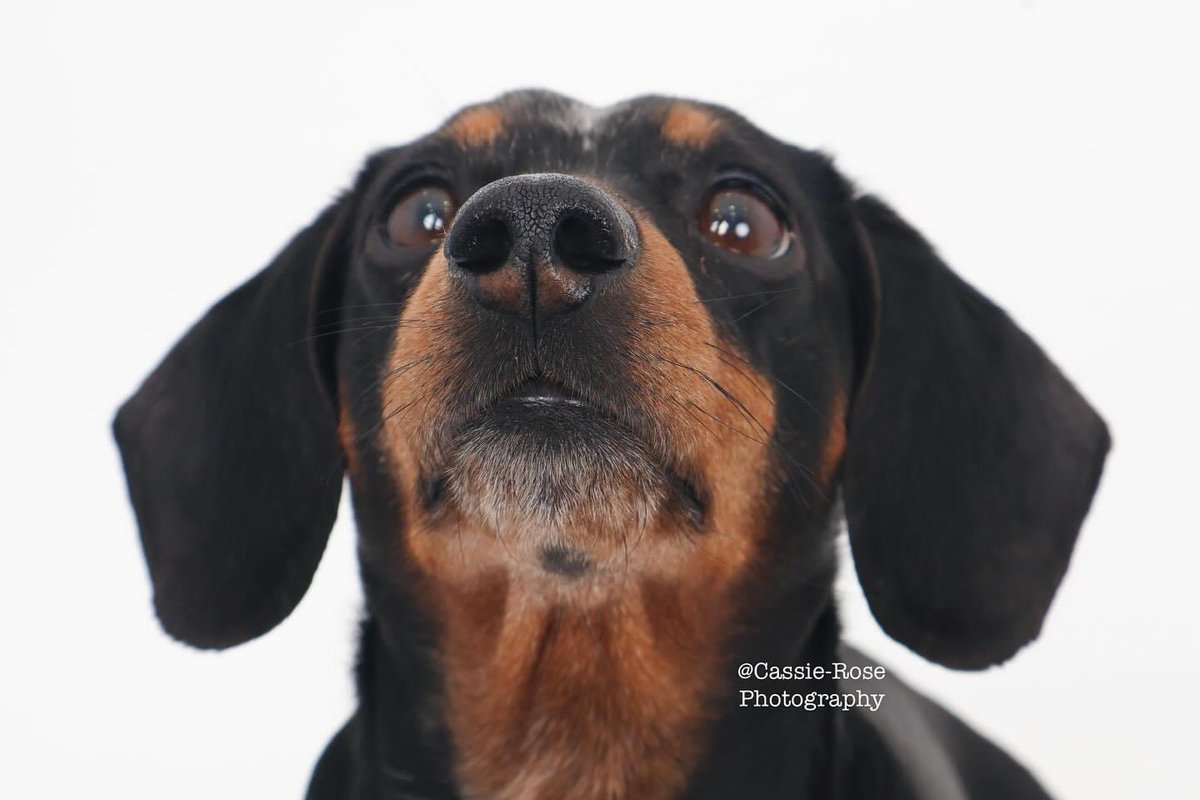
[585,244]
[479,245]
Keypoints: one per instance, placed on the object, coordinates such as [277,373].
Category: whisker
[724,392]
[749,294]
[777,380]
[314,337]
[398,304]
[749,378]
[788,462]
[756,309]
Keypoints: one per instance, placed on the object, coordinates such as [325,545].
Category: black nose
[540,245]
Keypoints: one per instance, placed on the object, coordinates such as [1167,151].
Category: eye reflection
[738,219]
[421,216]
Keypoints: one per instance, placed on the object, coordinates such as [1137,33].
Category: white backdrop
[155,155]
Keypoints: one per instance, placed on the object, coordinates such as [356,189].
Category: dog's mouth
[537,394]
[544,465]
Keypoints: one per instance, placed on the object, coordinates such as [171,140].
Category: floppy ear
[232,456]
[971,460]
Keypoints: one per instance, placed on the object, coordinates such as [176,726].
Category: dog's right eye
[421,217]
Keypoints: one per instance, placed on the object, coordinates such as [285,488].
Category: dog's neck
[632,698]
[552,700]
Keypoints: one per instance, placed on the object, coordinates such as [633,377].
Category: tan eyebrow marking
[689,126]
[476,127]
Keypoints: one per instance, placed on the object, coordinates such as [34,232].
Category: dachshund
[608,385]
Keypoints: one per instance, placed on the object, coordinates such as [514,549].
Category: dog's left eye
[740,219]
[421,216]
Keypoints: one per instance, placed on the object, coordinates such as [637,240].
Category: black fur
[232,457]
[970,465]
[1005,448]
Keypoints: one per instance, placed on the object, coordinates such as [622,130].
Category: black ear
[971,460]
[232,456]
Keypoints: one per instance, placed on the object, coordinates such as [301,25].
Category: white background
[155,155]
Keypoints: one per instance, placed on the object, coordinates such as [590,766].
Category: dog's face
[617,336]
[588,352]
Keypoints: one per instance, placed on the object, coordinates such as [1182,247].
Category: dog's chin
[555,473]
[543,483]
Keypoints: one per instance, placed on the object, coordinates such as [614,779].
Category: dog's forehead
[536,116]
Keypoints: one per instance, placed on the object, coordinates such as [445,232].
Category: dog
[607,385]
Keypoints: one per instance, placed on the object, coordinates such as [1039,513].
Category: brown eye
[421,217]
[741,220]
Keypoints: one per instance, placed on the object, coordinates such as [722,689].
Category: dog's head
[585,351]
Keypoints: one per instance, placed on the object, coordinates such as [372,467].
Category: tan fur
[476,127]
[835,444]
[686,125]
[348,436]
[597,688]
